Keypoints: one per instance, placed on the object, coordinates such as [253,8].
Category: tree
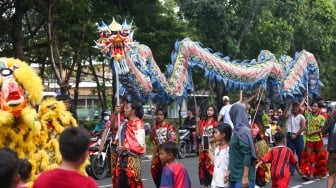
[315,32]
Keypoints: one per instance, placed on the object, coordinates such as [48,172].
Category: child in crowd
[220,156]
[280,157]
[25,169]
[73,145]
[174,174]
[161,131]
[9,161]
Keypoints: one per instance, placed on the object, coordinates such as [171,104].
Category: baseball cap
[226,98]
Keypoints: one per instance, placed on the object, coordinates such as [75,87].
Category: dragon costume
[141,77]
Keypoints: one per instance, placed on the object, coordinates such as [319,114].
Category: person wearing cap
[224,112]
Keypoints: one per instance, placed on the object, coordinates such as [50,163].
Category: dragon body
[140,76]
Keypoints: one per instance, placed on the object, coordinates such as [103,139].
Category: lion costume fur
[32,135]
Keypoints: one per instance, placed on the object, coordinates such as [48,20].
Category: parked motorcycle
[99,166]
[185,143]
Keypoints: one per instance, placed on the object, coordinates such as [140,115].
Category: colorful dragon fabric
[140,76]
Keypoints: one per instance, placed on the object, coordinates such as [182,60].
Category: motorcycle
[99,166]
[185,143]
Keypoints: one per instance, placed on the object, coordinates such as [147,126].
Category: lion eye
[15,66]
[6,72]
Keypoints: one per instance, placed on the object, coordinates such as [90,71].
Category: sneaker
[304,176]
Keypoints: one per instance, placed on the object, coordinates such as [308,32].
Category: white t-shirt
[293,123]
[221,167]
[225,112]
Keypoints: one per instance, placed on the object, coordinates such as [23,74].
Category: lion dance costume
[32,135]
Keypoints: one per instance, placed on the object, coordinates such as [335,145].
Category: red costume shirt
[164,132]
[206,127]
[280,157]
[65,179]
[135,137]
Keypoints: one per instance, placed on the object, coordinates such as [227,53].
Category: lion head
[20,86]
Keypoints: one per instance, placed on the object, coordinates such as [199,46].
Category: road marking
[308,182]
[297,186]
[106,185]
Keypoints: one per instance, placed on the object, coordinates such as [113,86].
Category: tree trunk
[17,35]
[95,76]
[249,22]
[51,42]
[76,90]
[76,61]
[221,91]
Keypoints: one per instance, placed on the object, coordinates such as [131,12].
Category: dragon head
[113,39]
[118,46]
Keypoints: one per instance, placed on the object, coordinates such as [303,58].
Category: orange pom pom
[307,169]
[322,162]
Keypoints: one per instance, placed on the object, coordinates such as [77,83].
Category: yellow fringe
[35,135]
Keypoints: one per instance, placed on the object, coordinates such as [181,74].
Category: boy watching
[9,177]
[174,174]
[280,157]
[73,145]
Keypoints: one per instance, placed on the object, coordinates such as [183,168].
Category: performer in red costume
[161,132]
[313,159]
[132,137]
[112,126]
[204,128]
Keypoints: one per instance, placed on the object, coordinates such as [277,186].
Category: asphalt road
[191,163]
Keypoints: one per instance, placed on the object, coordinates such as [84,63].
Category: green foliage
[275,33]
[149,146]
[89,125]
